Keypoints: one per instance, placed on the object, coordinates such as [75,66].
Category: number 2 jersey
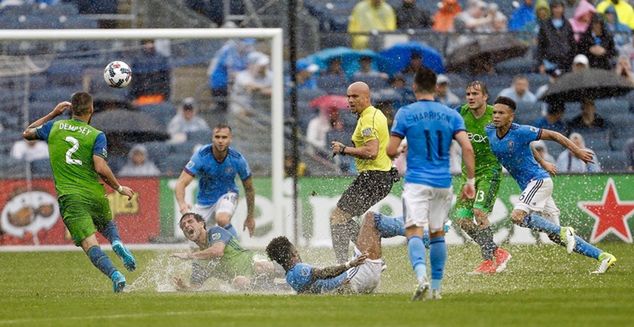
[71,145]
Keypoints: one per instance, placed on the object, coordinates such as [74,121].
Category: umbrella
[326,102]
[132,125]
[589,83]
[397,57]
[489,49]
[349,59]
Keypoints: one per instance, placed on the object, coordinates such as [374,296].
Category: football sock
[101,260]
[437,258]
[537,223]
[231,230]
[110,232]
[484,238]
[340,241]
[581,246]
[389,226]
[353,228]
[416,252]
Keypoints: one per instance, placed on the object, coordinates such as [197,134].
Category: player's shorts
[226,204]
[487,187]
[366,277]
[83,215]
[537,197]
[366,190]
[425,205]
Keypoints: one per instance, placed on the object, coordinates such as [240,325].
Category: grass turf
[543,286]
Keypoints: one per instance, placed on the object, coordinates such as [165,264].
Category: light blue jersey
[216,178]
[429,127]
[300,277]
[514,152]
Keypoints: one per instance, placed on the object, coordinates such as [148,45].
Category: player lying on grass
[361,274]
[221,256]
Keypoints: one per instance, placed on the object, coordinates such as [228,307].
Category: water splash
[158,274]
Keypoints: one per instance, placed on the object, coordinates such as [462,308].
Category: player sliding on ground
[536,209]
[221,256]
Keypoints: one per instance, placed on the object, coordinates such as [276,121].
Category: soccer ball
[117,74]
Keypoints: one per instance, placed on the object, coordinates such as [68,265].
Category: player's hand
[468,191]
[549,167]
[181,255]
[249,224]
[124,190]
[336,147]
[184,208]
[61,107]
[358,260]
[180,284]
[585,155]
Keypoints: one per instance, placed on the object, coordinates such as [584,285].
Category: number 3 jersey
[429,127]
[71,145]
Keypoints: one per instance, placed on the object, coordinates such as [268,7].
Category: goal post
[273,35]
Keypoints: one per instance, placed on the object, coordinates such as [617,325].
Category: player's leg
[107,227]
[438,215]
[387,226]
[343,228]
[369,239]
[416,201]
[223,211]
[100,260]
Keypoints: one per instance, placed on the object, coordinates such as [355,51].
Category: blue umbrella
[397,57]
[349,59]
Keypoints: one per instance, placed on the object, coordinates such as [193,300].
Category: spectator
[338,133]
[367,16]
[542,13]
[444,94]
[335,68]
[623,9]
[499,23]
[629,154]
[409,15]
[542,150]
[225,64]
[523,18]
[445,16]
[588,119]
[553,119]
[580,62]
[556,45]
[571,164]
[186,121]
[624,69]
[597,43]
[553,75]
[415,62]
[29,150]
[366,70]
[138,163]
[519,91]
[473,19]
[305,75]
[252,85]
[621,32]
[582,18]
[151,76]
[319,126]
[405,95]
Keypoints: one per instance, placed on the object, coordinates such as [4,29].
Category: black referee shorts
[366,190]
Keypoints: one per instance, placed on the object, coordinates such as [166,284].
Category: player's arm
[583,154]
[102,168]
[549,167]
[179,190]
[249,191]
[217,250]
[392,149]
[30,132]
[369,150]
[468,159]
[334,271]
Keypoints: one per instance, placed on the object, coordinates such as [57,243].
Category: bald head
[358,96]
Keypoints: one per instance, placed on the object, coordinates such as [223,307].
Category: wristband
[348,265]
[342,150]
[120,189]
[471,181]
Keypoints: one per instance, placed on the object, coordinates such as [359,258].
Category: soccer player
[376,174]
[429,127]
[361,274]
[477,115]
[219,255]
[217,165]
[536,209]
[78,158]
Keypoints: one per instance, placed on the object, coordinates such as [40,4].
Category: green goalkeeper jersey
[485,159]
[71,145]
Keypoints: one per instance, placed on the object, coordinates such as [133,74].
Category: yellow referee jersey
[372,125]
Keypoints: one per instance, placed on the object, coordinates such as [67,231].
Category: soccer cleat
[435,295]
[421,292]
[125,255]
[607,261]
[502,258]
[486,267]
[118,281]
[567,235]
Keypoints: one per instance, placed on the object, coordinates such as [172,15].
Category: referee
[376,175]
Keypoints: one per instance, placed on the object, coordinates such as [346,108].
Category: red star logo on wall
[610,214]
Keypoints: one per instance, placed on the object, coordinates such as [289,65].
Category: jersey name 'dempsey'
[81,129]
[477,138]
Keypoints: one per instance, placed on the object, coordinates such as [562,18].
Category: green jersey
[485,159]
[235,260]
[71,145]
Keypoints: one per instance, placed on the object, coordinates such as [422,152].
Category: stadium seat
[527,113]
[163,112]
[596,140]
[375,82]
[333,84]
[612,160]
[199,137]
[65,72]
[41,168]
[613,106]
[157,150]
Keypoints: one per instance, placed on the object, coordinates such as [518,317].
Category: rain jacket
[522,19]
[623,9]
[231,58]
[365,18]
[556,45]
[622,33]
[148,168]
[444,17]
[579,27]
[606,40]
